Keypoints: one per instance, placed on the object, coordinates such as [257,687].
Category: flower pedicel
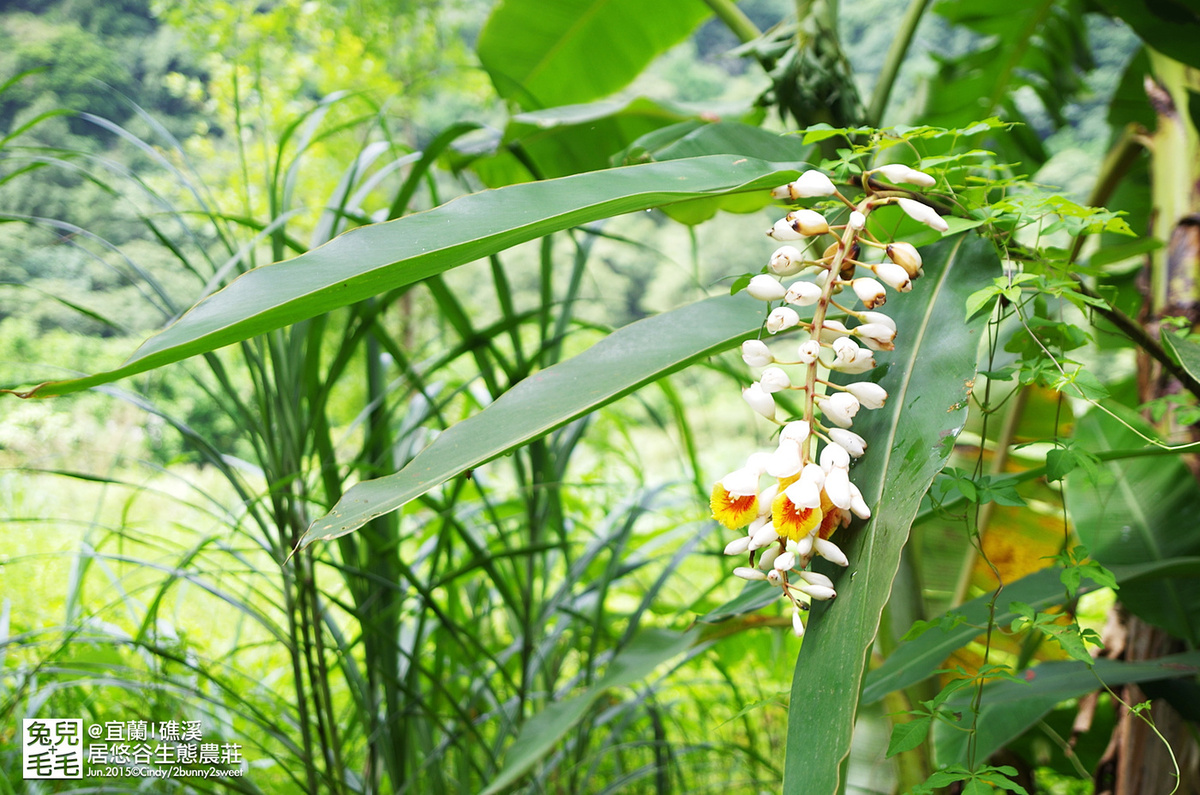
[789,502]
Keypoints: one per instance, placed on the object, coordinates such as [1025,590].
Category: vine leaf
[928,381]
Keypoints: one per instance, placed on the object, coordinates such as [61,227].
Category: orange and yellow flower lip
[733,510]
[792,521]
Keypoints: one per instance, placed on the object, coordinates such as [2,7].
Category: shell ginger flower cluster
[789,502]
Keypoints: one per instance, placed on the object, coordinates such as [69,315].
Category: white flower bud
[797,624]
[757,462]
[739,546]
[759,400]
[858,506]
[869,394]
[845,349]
[747,573]
[803,494]
[869,291]
[765,498]
[782,230]
[876,336]
[840,408]
[809,351]
[834,456]
[832,329]
[898,172]
[804,547]
[906,256]
[764,536]
[817,591]
[807,223]
[774,577]
[879,317]
[768,556]
[802,293]
[808,185]
[786,261]
[785,562]
[786,461]
[796,431]
[756,353]
[816,578]
[923,213]
[781,319]
[893,276]
[830,551]
[741,482]
[837,487]
[863,362]
[766,287]
[849,441]
[857,220]
[814,474]
[774,380]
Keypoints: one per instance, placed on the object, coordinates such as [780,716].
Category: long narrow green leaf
[1010,708]
[928,383]
[373,259]
[627,359]
[920,658]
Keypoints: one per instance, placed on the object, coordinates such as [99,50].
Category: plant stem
[735,19]
[895,57]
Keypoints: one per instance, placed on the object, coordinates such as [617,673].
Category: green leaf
[1009,708]
[1165,26]
[921,658]
[754,597]
[1186,352]
[981,298]
[1022,44]
[722,138]
[907,736]
[627,359]
[1132,513]
[374,259]
[544,730]
[571,139]
[927,381]
[570,51]
[917,660]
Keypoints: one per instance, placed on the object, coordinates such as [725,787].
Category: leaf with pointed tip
[928,380]
[374,259]
[627,359]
